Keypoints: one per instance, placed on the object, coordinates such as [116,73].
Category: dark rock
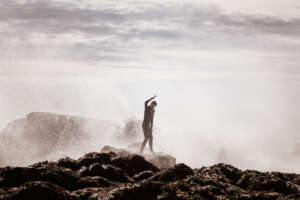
[179,171]
[107,171]
[117,151]
[273,182]
[133,164]
[90,193]
[160,160]
[170,192]
[43,165]
[230,172]
[68,163]
[265,196]
[82,171]
[112,154]
[93,181]
[90,158]
[208,191]
[115,174]
[108,176]
[95,169]
[15,176]
[146,190]
[40,190]
[60,176]
[142,175]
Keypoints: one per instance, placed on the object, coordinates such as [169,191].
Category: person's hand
[154,97]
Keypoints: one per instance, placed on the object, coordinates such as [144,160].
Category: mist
[248,120]
[245,120]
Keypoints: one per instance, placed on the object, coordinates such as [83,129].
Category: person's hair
[154,102]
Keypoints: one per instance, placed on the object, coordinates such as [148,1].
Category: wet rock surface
[123,176]
[160,160]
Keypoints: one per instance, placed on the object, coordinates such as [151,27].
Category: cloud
[119,34]
[53,17]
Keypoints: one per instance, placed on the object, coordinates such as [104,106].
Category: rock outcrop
[43,135]
[116,175]
[161,160]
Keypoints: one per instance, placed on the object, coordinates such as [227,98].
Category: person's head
[153,104]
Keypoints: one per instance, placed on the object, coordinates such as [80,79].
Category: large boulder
[160,160]
[43,135]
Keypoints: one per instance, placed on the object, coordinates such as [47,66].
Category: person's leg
[151,141]
[143,144]
[145,140]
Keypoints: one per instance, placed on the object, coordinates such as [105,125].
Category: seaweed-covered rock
[273,182]
[93,181]
[133,164]
[112,176]
[90,158]
[146,190]
[160,160]
[38,190]
[60,176]
[107,171]
[90,193]
[179,171]
[15,176]
[68,163]
[143,175]
[231,173]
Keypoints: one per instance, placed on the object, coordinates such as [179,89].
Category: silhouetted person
[148,123]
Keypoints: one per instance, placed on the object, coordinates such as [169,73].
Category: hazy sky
[46,36]
[224,71]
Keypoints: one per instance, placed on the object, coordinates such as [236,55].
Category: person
[148,123]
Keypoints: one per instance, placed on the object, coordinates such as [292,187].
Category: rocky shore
[114,174]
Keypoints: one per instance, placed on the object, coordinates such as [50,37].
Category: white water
[248,120]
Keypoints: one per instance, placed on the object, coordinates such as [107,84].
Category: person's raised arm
[146,102]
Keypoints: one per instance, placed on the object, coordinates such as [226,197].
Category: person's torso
[148,114]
